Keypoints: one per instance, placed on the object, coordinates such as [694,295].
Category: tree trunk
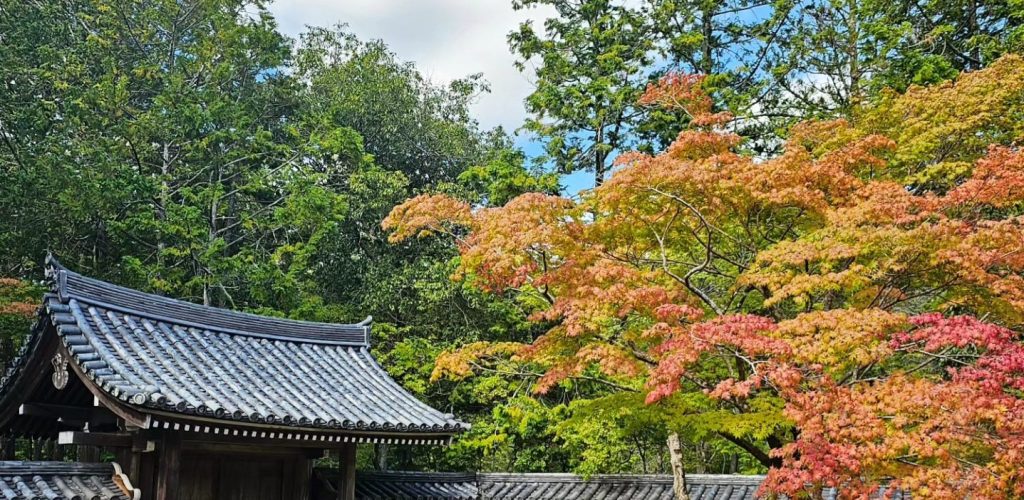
[974,30]
[853,53]
[380,452]
[707,62]
[675,453]
[164,199]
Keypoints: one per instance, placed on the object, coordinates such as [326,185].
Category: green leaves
[504,177]
[591,68]
[407,123]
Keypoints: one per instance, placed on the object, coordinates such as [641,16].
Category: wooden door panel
[241,477]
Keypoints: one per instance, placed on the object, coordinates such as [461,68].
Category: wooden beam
[20,389]
[168,470]
[108,439]
[347,472]
[69,413]
[254,448]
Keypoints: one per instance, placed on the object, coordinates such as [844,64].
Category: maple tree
[845,312]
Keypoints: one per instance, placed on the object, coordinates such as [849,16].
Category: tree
[961,35]
[838,52]
[17,308]
[184,148]
[160,151]
[407,123]
[503,175]
[820,310]
[591,68]
[738,46]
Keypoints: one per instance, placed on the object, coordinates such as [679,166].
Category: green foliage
[518,436]
[504,176]
[407,123]
[771,63]
[186,148]
[592,60]
[161,158]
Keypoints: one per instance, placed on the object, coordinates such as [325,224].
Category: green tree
[420,135]
[407,123]
[591,63]
[840,52]
[502,175]
[160,149]
[736,45]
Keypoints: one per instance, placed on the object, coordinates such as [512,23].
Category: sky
[446,39]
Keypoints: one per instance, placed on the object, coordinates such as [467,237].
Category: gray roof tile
[418,485]
[45,480]
[156,353]
[494,486]
[400,485]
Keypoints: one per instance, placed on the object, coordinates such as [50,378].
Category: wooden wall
[196,470]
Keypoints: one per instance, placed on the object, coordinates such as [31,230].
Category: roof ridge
[444,476]
[561,477]
[12,467]
[547,485]
[70,285]
[567,476]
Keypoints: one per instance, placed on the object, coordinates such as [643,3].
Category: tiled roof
[418,485]
[52,480]
[573,487]
[511,486]
[156,353]
[482,486]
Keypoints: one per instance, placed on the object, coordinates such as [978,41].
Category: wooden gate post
[168,471]
[347,472]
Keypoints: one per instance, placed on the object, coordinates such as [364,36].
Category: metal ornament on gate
[60,371]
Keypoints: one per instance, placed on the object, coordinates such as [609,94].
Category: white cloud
[447,39]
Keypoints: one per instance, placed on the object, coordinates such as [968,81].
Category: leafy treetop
[844,311]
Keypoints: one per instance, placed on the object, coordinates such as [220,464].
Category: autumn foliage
[868,283]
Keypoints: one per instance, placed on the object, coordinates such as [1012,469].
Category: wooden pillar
[169,468]
[347,472]
[8,444]
[302,477]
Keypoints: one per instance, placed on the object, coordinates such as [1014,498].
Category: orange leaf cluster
[686,345]
[997,180]
[23,309]
[459,364]
[425,215]
[845,278]
[957,437]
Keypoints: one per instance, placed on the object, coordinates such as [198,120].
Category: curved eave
[146,366]
[213,429]
[148,355]
[139,406]
[15,386]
